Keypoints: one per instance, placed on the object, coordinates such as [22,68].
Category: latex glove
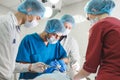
[38,67]
[63,66]
[56,65]
[76,66]
[52,66]
[50,69]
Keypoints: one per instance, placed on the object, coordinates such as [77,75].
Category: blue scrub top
[33,49]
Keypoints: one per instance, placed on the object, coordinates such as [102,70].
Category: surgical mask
[52,40]
[67,31]
[31,24]
[93,21]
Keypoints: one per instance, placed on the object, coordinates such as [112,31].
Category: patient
[40,50]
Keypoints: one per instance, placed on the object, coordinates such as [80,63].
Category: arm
[81,74]
[7,52]
[66,60]
[61,54]
[24,63]
[27,67]
[60,61]
[20,67]
[93,55]
[74,55]
[72,49]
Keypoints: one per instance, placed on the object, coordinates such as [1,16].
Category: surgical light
[48,12]
[54,1]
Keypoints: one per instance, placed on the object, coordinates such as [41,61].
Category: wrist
[29,68]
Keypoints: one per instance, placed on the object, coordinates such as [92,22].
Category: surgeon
[104,42]
[44,48]
[70,45]
[28,14]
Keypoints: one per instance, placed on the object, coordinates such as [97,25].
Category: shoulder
[107,23]
[100,25]
[29,37]
[5,21]
[71,39]
[8,21]
[7,18]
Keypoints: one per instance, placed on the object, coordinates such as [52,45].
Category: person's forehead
[36,16]
[59,34]
[68,23]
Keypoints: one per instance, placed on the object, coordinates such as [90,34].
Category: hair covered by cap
[99,6]
[32,7]
[54,26]
[68,18]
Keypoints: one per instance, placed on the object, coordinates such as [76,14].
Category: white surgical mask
[31,24]
[52,40]
[93,21]
[67,31]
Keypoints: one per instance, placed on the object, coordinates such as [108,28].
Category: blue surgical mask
[31,24]
[52,40]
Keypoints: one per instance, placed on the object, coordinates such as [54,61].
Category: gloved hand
[38,67]
[75,66]
[52,66]
[63,66]
[56,65]
[49,70]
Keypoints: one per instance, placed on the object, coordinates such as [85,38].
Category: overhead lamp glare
[48,12]
[54,1]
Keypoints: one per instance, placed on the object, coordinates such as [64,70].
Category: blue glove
[63,66]
[56,65]
[49,70]
[52,67]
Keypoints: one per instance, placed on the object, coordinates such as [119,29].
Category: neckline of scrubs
[42,40]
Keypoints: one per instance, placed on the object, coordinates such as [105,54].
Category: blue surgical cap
[99,6]
[36,7]
[68,18]
[54,26]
